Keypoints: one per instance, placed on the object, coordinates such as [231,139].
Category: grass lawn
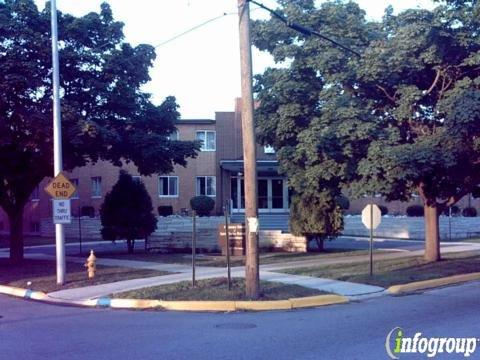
[217,260]
[217,289]
[42,275]
[38,240]
[395,271]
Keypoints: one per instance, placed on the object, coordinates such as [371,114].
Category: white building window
[168,186]
[206,185]
[267,149]
[174,136]
[208,139]
[96,186]
[75,183]
[35,195]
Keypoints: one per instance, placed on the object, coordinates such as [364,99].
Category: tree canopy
[105,113]
[127,211]
[402,118]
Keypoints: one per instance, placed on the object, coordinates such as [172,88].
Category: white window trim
[206,176]
[76,197]
[96,196]
[268,149]
[205,142]
[174,132]
[37,190]
[168,196]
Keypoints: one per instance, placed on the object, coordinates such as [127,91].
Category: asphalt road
[30,330]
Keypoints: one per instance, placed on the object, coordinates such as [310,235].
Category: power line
[193,29]
[304,30]
[197,27]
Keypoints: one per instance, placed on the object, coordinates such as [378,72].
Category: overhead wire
[197,27]
[302,29]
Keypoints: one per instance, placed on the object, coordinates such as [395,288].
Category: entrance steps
[276,221]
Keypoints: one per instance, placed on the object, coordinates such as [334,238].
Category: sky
[201,68]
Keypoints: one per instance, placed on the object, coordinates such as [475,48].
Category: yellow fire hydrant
[91,265]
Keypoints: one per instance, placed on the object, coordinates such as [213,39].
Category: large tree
[402,118]
[105,114]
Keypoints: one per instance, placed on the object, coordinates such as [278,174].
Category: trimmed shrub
[415,210]
[343,202]
[165,210]
[87,211]
[202,204]
[127,212]
[383,209]
[469,212]
[455,211]
[316,216]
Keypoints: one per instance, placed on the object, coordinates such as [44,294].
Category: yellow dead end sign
[60,187]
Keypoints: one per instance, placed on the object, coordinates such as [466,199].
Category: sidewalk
[267,272]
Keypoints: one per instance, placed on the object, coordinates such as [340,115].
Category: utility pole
[57,142]
[252,279]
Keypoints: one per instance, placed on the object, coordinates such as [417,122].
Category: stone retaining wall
[414,227]
[175,232]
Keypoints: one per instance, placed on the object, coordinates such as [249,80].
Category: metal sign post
[227,244]
[57,141]
[80,227]
[371,239]
[194,245]
[371,218]
[61,190]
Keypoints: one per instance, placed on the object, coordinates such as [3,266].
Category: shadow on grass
[394,271]
[41,275]
[217,289]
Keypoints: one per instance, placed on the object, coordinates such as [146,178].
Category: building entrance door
[272,195]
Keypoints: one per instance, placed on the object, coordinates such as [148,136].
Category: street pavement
[31,330]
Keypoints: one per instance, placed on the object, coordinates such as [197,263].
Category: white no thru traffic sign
[371,216]
[61,212]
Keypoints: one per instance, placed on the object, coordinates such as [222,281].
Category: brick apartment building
[216,172]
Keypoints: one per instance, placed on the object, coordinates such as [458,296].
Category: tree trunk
[320,243]
[432,233]
[318,240]
[15,219]
[130,245]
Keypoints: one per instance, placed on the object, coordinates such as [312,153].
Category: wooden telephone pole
[252,278]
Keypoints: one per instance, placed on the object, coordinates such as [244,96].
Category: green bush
[343,202]
[317,216]
[415,210]
[202,204]
[383,209]
[127,212]
[87,211]
[469,212]
[455,211]
[165,210]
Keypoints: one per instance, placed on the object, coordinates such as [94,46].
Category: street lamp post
[57,141]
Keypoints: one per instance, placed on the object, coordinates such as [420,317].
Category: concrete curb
[429,284]
[214,306]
